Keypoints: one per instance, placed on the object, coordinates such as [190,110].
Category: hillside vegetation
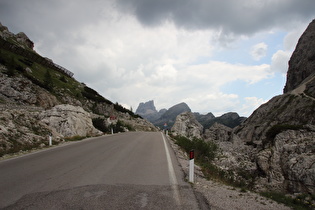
[40,98]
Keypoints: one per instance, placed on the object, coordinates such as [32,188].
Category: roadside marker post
[50,140]
[191,165]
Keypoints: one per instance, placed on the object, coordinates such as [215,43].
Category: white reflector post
[191,165]
[50,140]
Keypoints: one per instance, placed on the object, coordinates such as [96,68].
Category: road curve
[135,170]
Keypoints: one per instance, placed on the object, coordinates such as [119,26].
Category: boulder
[187,125]
[69,121]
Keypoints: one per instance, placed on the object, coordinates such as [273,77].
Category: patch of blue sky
[264,89]
[240,52]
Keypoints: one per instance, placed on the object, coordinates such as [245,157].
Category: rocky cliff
[38,98]
[275,145]
[302,61]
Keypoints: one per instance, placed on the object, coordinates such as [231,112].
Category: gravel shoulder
[220,196]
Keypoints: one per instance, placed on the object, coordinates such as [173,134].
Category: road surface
[135,170]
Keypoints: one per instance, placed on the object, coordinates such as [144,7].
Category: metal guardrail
[33,57]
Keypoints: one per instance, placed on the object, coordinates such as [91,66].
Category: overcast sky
[217,56]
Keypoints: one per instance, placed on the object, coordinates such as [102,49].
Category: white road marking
[171,172]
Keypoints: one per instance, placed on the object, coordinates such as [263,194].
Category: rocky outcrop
[287,109]
[20,129]
[218,132]
[186,125]
[302,61]
[288,163]
[21,90]
[22,39]
[274,146]
[69,121]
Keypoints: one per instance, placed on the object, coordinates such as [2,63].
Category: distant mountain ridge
[148,111]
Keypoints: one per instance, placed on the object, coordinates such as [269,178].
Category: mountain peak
[146,108]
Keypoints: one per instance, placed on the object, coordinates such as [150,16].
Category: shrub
[74,138]
[301,202]
[100,125]
[204,151]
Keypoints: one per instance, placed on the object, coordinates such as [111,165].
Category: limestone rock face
[20,129]
[187,125]
[218,132]
[302,62]
[69,121]
[292,109]
[290,164]
[22,90]
[21,37]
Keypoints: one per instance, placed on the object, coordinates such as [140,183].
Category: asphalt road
[135,170]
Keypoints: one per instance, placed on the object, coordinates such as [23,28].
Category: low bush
[99,123]
[204,151]
[75,138]
[300,202]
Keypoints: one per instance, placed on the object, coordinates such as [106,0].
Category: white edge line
[171,172]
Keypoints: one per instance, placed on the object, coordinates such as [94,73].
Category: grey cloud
[230,16]
[36,17]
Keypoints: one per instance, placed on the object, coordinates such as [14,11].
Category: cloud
[259,51]
[133,51]
[291,39]
[251,104]
[229,16]
[279,61]
[214,102]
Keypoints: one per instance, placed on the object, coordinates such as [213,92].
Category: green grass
[61,84]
